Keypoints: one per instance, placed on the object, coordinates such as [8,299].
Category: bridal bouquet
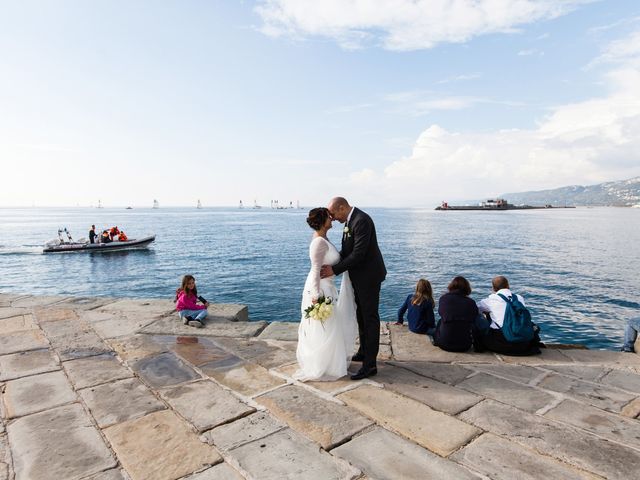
[320,310]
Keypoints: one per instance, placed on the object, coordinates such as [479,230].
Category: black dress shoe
[358,357]
[364,373]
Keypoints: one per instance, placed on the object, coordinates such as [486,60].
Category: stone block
[37,301]
[120,401]
[58,444]
[607,425]
[117,325]
[547,356]
[222,471]
[136,347]
[22,341]
[141,306]
[54,314]
[438,396]
[436,431]
[73,339]
[113,474]
[163,370]
[280,331]
[159,446]
[199,352]
[623,379]
[603,357]
[206,405]
[244,430]
[228,311]
[632,409]
[172,325]
[602,396]
[19,323]
[91,371]
[505,391]
[583,372]
[327,423]
[267,353]
[85,303]
[385,456]
[333,387]
[451,374]
[243,377]
[36,393]
[9,312]
[569,445]
[516,373]
[24,364]
[287,455]
[501,459]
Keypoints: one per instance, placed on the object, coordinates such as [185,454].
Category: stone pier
[112,389]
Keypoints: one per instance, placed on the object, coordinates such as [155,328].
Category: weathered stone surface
[114,325]
[33,394]
[159,446]
[601,396]
[267,353]
[27,363]
[206,405]
[90,371]
[500,459]
[120,401]
[583,372]
[438,396]
[547,356]
[113,474]
[328,423]
[451,374]
[386,456]
[603,357]
[54,314]
[172,325]
[17,324]
[572,446]
[607,425]
[85,303]
[244,430]
[228,311]
[202,351]
[506,391]
[622,379]
[8,312]
[333,387]
[516,373]
[58,443]
[632,409]
[37,301]
[5,456]
[246,378]
[287,455]
[136,347]
[22,341]
[163,370]
[141,306]
[280,331]
[73,339]
[222,471]
[436,431]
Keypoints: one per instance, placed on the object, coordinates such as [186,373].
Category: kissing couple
[331,321]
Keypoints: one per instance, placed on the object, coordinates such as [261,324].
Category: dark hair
[499,282]
[460,284]
[317,217]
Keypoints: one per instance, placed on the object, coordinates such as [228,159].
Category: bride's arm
[317,251]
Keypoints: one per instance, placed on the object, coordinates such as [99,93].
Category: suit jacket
[360,254]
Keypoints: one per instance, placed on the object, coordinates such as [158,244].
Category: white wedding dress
[325,348]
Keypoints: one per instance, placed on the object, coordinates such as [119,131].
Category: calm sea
[578,269]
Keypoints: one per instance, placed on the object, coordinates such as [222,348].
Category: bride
[325,346]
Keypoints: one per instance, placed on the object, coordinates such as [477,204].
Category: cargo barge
[499,204]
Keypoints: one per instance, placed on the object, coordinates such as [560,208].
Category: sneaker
[186,319]
[628,349]
[195,323]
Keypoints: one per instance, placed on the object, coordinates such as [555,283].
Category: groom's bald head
[339,209]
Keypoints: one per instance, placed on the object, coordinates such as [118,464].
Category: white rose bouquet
[321,310]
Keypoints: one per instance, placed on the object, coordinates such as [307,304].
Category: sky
[399,103]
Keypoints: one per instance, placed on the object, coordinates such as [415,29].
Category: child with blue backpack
[510,330]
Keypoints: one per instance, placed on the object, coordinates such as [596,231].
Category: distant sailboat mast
[199,204]
[241,205]
[99,204]
[156,204]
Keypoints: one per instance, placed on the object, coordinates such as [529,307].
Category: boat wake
[20,250]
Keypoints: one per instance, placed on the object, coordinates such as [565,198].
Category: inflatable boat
[62,246]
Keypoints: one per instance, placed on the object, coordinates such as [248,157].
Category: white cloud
[529,52]
[460,78]
[404,24]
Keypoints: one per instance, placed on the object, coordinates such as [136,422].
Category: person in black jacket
[458,314]
[361,257]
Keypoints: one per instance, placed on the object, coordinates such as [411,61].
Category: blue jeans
[199,315]
[631,333]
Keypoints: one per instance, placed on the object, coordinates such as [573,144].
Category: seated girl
[419,308]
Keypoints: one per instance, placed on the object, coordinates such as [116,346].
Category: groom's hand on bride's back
[326,271]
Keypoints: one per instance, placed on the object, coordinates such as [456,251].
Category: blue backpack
[517,326]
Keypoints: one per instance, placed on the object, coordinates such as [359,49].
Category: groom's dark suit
[361,256]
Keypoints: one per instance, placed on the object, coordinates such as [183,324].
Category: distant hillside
[620,194]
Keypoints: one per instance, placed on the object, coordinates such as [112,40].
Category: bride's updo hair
[317,217]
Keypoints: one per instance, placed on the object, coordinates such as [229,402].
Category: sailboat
[255,204]
[156,204]
[199,204]
[99,204]
[241,205]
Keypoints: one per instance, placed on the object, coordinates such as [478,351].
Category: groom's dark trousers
[361,256]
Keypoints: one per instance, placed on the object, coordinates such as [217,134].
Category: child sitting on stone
[187,306]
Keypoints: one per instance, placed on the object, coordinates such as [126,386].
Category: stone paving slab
[280,331]
[583,372]
[385,456]
[159,446]
[113,474]
[436,431]
[228,311]
[136,347]
[607,425]
[603,357]
[450,374]
[546,357]
[206,405]
[325,422]
[22,341]
[142,306]
[36,393]
[172,325]
[623,379]
[245,430]
[58,444]
[5,457]
[54,314]
[27,363]
[500,459]
[632,409]
[267,353]
[163,370]
[195,350]
[120,401]
[516,373]
[572,446]
[17,324]
[73,339]
[85,303]
[521,396]
[91,371]
[8,312]
[336,386]
[601,396]
[246,378]
[222,471]
[287,455]
[438,396]
[37,301]
[112,325]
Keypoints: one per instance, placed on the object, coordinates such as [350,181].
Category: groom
[361,257]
